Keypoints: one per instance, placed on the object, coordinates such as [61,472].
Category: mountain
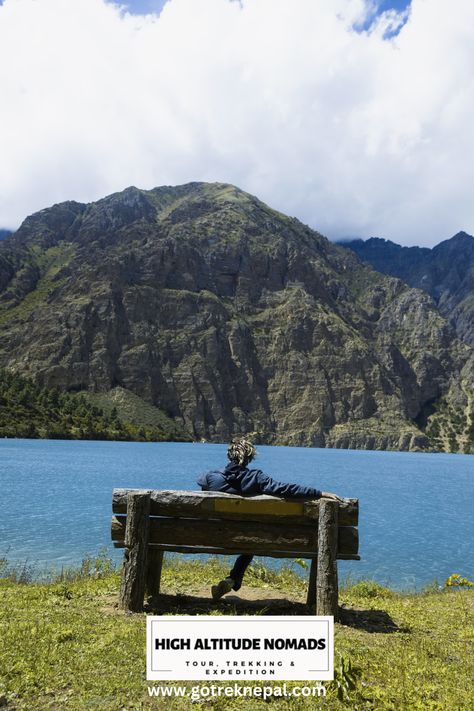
[4,233]
[445,272]
[230,317]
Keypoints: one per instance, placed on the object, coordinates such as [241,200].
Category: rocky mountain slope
[230,318]
[445,272]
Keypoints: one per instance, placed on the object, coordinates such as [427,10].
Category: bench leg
[153,573]
[311,597]
[132,589]
[326,582]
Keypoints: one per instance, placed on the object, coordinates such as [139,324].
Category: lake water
[416,510]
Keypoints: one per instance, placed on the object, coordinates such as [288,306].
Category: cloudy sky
[355,116]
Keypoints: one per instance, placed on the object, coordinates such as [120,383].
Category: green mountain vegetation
[203,304]
[451,429]
[131,408]
[30,411]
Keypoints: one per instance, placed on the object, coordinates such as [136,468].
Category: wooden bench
[147,523]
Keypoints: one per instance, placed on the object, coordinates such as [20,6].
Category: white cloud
[350,132]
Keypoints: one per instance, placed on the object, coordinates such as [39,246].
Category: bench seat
[148,523]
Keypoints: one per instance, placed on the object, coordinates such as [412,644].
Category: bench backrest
[214,522]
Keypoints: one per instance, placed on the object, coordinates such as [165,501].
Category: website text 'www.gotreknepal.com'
[198,692]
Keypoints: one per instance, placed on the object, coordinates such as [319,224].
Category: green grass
[66,645]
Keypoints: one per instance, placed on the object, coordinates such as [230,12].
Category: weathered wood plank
[244,536]
[326,579]
[214,504]
[132,588]
[347,539]
[153,571]
[213,550]
[311,596]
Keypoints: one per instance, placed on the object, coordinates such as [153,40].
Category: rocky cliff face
[228,316]
[446,272]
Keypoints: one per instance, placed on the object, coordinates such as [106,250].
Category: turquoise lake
[416,510]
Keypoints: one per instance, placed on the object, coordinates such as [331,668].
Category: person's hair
[241,451]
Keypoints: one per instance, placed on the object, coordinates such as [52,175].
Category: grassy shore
[66,645]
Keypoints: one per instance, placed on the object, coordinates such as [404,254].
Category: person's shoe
[222,588]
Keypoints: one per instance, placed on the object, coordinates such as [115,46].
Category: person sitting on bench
[237,478]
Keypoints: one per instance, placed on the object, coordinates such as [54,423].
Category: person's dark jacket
[236,479]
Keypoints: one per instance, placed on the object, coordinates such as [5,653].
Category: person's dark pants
[238,571]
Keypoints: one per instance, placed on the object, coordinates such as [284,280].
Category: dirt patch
[246,594]
[248,600]
[198,601]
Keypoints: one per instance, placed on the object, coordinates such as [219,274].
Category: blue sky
[393,5]
[142,7]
